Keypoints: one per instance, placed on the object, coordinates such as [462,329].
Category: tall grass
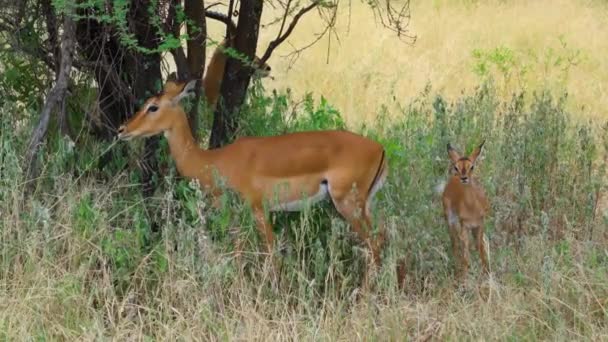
[560,44]
[87,257]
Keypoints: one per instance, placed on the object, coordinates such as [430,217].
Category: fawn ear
[453,154]
[476,152]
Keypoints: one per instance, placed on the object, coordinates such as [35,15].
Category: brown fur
[212,80]
[351,166]
[465,206]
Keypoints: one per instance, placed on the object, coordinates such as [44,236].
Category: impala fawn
[465,206]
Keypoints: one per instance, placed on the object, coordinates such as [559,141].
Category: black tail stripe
[377,173]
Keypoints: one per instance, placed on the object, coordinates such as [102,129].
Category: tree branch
[223,18]
[395,20]
[281,38]
[229,31]
[55,97]
[173,26]
[53,32]
[197,30]
[37,52]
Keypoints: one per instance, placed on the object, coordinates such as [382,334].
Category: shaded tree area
[118,47]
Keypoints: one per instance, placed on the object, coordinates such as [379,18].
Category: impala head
[462,167]
[158,114]
[261,70]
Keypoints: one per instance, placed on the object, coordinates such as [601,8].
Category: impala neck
[189,157]
[215,73]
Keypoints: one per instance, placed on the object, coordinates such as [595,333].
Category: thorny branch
[396,20]
[295,54]
[283,35]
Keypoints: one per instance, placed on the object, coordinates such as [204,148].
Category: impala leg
[463,237]
[376,244]
[453,229]
[482,248]
[361,224]
[264,227]
[265,230]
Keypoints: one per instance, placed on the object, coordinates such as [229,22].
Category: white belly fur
[298,205]
[453,218]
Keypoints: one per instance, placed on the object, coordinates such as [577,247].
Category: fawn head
[159,113]
[462,167]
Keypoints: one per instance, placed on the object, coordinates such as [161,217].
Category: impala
[279,173]
[212,80]
[465,206]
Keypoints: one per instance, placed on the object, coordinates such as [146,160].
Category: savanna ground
[80,260]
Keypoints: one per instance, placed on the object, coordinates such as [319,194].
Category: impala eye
[472,167]
[455,168]
[152,109]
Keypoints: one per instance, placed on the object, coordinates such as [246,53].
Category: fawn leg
[482,248]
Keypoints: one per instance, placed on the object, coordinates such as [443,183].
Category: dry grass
[60,285]
[369,66]
[78,259]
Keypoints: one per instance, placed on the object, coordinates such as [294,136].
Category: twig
[212,5]
[294,55]
[284,19]
[396,20]
[281,38]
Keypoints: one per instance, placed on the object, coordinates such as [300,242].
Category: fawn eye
[455,168]
[472,167]
[152,109]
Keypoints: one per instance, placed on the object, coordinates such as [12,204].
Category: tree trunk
[53,34]
[145,70]
[237,75]
[173,26]
[54,99]
[124,76]
[197,30]
[103,54]
[63,121]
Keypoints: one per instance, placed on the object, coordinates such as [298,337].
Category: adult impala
[212,80]
[278,173]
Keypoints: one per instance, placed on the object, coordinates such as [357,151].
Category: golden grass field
[369,66]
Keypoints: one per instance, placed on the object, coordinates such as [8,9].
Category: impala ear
[172,88]
[476,152]
[187,91]
[453,154]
